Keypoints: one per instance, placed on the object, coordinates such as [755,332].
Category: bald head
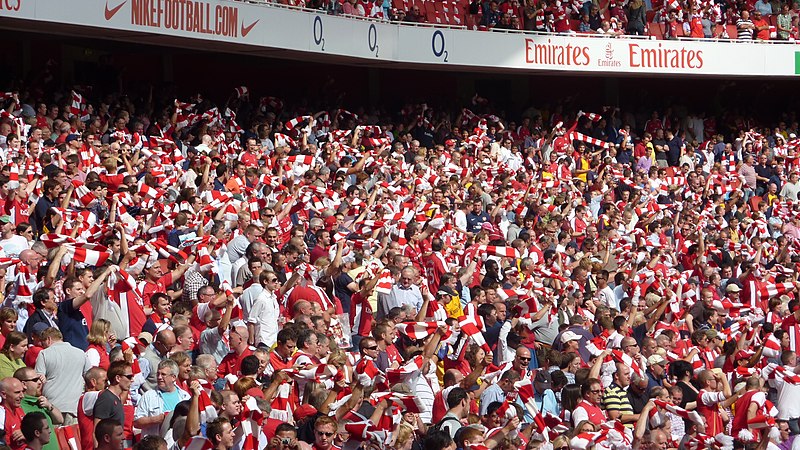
[165,341]
[452,377]
[242,331]
[26,255]
[12,391]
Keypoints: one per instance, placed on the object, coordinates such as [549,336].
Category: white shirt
[14,245]
[264,314]
[248,298]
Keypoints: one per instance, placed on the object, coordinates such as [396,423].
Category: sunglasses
[130,377]
[324,433]
[371,348]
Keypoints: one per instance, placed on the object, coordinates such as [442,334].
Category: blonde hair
[98,333]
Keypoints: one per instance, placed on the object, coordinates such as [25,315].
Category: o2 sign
[438,45]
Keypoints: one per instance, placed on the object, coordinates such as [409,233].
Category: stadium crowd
[760,20]
[258,275]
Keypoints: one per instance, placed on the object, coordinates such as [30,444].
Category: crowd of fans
[257,275]
[760,20]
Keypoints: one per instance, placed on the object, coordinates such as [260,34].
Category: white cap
[569,336]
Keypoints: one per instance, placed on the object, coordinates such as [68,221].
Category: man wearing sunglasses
[110,403]
[324,431]
[34,401]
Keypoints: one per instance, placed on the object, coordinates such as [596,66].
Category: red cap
[304,411]
[330,222]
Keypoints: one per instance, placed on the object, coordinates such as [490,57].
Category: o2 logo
[372,39]
[439,46]
[319,36]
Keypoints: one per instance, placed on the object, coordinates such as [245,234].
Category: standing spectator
[636,17]
[761,26]
[12,392]
[745,27]
[111,402]
[62,366]
[161,347]
[34,402]
[71,321]
[784,23]
[156,404]
[762,7]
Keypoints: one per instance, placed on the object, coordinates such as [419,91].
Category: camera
[286,441]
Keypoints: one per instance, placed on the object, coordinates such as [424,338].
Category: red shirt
[762,34]
[249,159]
[360,315]
[277,362]
[696,28]
[13,423]
[31,354]
[596,415]
[104,360]
[232,363]
[86,421]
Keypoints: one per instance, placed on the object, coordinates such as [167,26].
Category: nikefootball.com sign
[261,25]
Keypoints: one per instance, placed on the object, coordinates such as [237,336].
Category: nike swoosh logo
[111,12]
[246,29]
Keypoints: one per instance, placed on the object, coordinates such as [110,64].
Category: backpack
[438,426]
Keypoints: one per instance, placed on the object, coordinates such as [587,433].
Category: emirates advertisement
[605,54]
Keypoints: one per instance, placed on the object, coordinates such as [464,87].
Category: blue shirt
[490,395]
[171,399]
[547,402]
[73,325]
[476,221]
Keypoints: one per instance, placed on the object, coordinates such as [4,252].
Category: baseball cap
[569,336]
[5,219]
[72,137]
[146,337]
[656,359]
[542,381]
[743,354]
[732,287]
[39,327]
[304,411]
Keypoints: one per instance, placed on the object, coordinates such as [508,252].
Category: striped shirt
[743,31]
[615,398]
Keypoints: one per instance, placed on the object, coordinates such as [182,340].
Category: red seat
[398,5]
[650,15]
[457,14]
[657,30]
[732,33]
[754,201]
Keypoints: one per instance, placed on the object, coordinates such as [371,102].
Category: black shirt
[109,406]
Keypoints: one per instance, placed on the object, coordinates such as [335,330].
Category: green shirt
[30,404]
[8,366]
